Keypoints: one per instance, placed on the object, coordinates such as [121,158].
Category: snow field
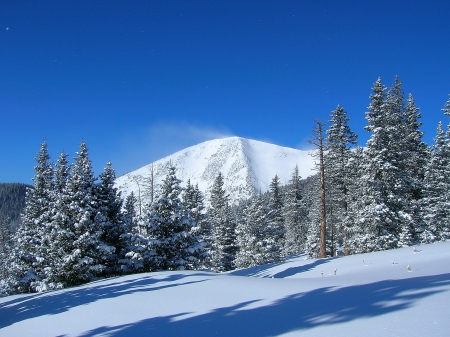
[374,298]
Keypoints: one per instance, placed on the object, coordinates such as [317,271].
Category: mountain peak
[247,165]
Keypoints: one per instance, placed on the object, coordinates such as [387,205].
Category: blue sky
[138,80]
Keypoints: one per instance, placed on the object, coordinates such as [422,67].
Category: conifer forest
[392,192]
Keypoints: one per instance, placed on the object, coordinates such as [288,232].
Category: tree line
[392,193]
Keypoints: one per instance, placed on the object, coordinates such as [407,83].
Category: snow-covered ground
[370,295]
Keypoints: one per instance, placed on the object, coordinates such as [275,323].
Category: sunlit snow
[369,295]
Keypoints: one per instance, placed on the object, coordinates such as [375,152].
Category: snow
[371,294]
[247,166]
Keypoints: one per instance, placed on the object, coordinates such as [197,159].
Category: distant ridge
[247,166]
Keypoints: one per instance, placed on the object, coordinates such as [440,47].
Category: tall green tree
[223,229]
[340,141]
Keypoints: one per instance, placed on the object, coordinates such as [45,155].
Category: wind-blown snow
[248,166]
[371,295]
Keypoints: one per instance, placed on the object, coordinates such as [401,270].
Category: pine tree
[59,231]
[435,209]
[223,246]
[89,255]
[170,228]
[109,217]
[390,212]
[130,210]
[340,139]
[295,217]
[193,202]
[275,225]
[254,245]
[28,258]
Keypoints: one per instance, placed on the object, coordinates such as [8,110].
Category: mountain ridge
[247,165]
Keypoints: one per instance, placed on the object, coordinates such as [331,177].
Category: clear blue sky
[138,80]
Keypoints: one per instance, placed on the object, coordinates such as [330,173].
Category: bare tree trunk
[332,231]
[318,141]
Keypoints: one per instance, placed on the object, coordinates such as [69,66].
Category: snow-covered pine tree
[295,217]
[250,236]
[223,229]
[170,229]
[89,255]
[59,231]
[435,210]
[135,240]
[379,215]
[311,198]
[130,211]
[340,140]
[28,259]
[355,235]
[275,222]
[109,217]
[193,202]
[389,216]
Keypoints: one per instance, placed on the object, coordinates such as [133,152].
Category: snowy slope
[370,295]
[247,166]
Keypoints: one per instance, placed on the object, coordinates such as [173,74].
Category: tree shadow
[34,305]
[324,306]
[262,271]
[300,269]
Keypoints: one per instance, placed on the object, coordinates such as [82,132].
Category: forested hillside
[12,202]
[390,194]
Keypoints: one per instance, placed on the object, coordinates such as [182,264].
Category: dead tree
[318,142]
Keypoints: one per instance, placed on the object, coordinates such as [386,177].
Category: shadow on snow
[34,305]
[324,306]
[263,271]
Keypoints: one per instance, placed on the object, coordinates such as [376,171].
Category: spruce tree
[89,255]
[223,245]
[295,217]
[109,217]
[193,202]
[340,140]
[435,208]
[390,212]
[254,245]
[28,258]
[275,221]
[170,229]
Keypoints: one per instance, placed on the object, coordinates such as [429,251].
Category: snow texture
[374,294]
[248,166]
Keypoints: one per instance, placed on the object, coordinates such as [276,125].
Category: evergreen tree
[193,202]
[275,225]
[389,212]
[295,217]
[254,246]
[89,255]
[223,247]
[28,258]
[437,191]
[130,210]
[170,228]
[59,230]
[109,217]
[340,140]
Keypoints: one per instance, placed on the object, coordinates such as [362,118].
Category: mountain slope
[371,294]
[247,166]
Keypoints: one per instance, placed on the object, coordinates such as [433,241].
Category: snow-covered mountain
[247,166]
